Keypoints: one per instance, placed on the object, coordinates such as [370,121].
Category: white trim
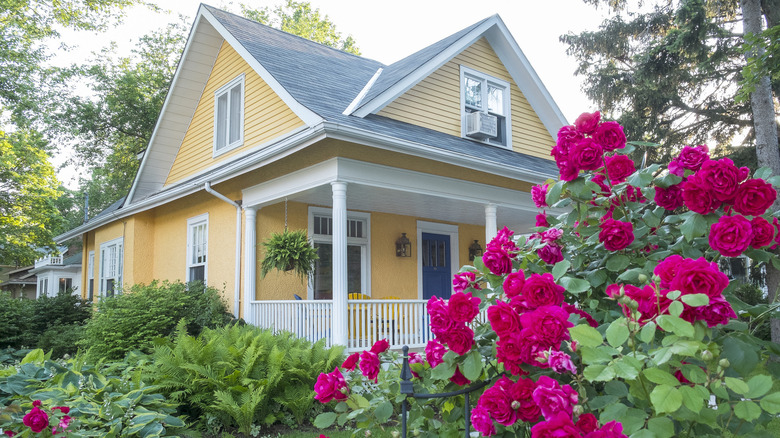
[118,276]
[362,94]
[437,228]
[227,90]
[365,262]
[507,102]
[90,273]
[193,222]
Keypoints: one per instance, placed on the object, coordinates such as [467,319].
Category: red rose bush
[612,319]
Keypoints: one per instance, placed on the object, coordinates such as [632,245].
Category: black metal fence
[408,388]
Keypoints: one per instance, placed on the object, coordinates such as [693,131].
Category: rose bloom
[669,198]
[539,195]
[559,426]
[464,280]
[610,136]
[560,362]
[587,155]
[754,197]
[498,403]
[513,283]
[587,123]
[566,167]
[497,261]
[540,290]
[36,419]
[723,178]
[619,167]
[463,307]
[328,387]
[550,253]
[508,352]
[458,378]
[369,365]
[587,423]
[616,235]
[522,394]
[613,429]
[503,319]
[533,344]
[731,235]
[550,322]
[692,157]
[553,398]
[699,276]
[718,311]
[763,232]
[568,136]
[667,270]
[434,352]
[480,419]
[380,346]
[351,362]
[541,220]
[441,321]
[698,196]
[460,339]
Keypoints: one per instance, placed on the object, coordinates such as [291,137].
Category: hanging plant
[289,251]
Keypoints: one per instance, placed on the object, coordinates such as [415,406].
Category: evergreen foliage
[134,320]
[241,375]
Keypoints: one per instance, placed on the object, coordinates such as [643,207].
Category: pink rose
[415,358]
[587,423]
[754,197]
[541,220]
[610,136]
[568,170]
[699,276]
[36,419]
[718,311]
[550,253]
[460,339]
[539,195]
[698,196]
[463,307]
[587,123]
[551,235]
[458,378]
[731,235]
[667,270]
[550,322]
[503,319]
[723,178]
[540,290]
[328,387]
[587,155]
[553,398]
[369,365]
[613,429]
[619,167]
[351,361]
[497,261]
[513,283]
[763,232]
[559,426]
[509,352]
[434,352]
[480,419]
[503,241]
[9,433]
[498,402]
[616,235]
[670,198]
[522,394]
[560,362]
[441,322]
[380,346]
[692,157]
[464,280]
[568,136]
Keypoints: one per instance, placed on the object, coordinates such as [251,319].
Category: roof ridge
[212,8]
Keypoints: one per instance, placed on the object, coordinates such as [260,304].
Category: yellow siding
[435,101]
[266,117]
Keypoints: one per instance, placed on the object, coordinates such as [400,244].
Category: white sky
[390,30]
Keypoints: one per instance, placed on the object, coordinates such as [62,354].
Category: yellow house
[262,129]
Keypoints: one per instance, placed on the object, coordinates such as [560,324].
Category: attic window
[485,108]
[229,116]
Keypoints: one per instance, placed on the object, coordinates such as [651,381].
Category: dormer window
[485,109]
[229,116]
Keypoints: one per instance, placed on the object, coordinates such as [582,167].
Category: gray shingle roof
[326,80]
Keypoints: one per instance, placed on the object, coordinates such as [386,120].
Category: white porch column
[491,229]
[339,316]
[250,261]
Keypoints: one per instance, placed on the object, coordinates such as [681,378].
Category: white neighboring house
[58,273]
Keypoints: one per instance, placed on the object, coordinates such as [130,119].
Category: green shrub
[14,318]
[242,376]
[104,400]
[133,320]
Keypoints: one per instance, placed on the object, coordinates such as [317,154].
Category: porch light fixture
[403,247]
[475,250]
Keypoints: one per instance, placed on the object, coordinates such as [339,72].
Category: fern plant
[289,251]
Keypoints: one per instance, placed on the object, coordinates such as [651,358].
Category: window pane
[323,272]
[222,115]
[473,90]
[110,287]
[235,114]
[91,289]
[441,259]
[354,268]
[198,273]
[495,99]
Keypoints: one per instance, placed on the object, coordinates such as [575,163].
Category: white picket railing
[401,322]
[49,260]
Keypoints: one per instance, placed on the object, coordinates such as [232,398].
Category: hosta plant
[611,319]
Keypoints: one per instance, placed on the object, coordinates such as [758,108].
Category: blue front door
[436,267]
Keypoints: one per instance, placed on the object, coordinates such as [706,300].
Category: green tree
[28,191]
[298,18]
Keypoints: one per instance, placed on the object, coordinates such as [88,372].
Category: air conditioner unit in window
[481,125]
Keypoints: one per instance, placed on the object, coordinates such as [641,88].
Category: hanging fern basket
[288,251]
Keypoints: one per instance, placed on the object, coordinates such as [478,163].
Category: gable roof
[319,83]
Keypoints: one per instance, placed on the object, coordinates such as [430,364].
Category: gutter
[237,293]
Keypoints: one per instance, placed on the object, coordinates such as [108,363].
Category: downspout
[237,293]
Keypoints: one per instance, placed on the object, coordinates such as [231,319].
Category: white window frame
[117,267]
[192,223]
[364,243]
[91,273]
[225,90]
[43,286]
[486,79]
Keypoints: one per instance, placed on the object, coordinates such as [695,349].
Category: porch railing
[46,261]
[401,322]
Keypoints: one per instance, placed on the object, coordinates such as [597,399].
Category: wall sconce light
[475,250]
[403,247]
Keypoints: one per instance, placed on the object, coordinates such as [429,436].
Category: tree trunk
[765,127]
